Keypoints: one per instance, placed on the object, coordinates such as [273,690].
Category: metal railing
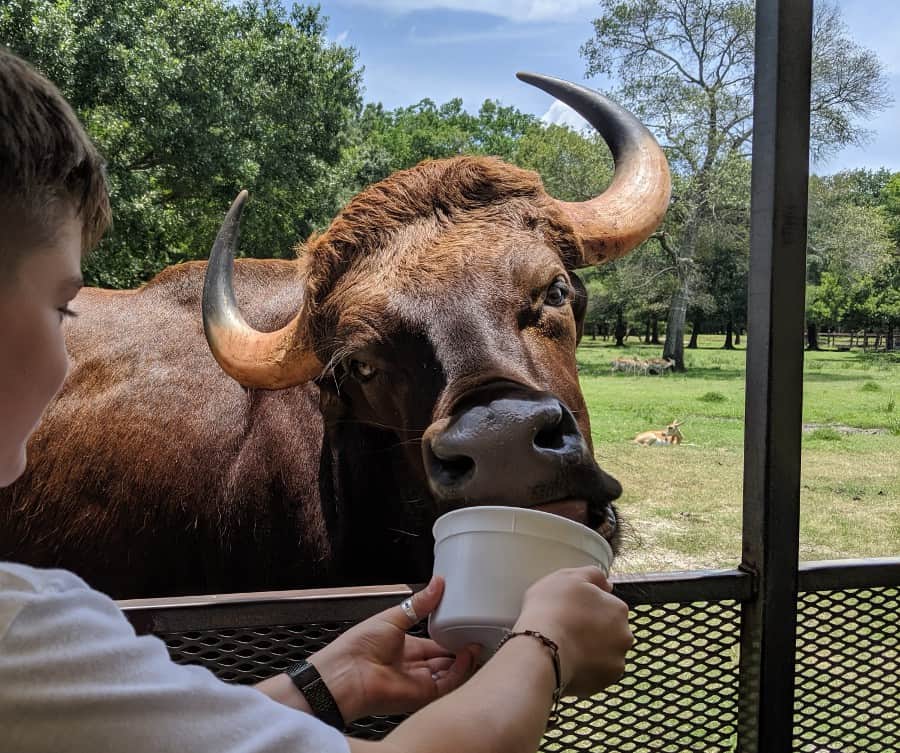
[681,690]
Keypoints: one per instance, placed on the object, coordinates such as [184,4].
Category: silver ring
[407,607]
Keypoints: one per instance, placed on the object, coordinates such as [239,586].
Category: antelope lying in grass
[671,435]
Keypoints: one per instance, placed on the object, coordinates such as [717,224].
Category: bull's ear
[579,305]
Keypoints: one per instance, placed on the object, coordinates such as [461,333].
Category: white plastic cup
[489,556]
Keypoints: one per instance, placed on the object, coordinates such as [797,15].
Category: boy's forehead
[40,219]
[56,230]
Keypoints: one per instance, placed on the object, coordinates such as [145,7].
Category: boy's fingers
[458,672]
[417,607]
[595,575]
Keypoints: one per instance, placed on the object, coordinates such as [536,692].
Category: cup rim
[523,521]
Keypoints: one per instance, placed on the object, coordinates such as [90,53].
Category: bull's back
[153,472]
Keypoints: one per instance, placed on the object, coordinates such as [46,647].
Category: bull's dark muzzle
[523,450]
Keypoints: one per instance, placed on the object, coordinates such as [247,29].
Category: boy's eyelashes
[66,311]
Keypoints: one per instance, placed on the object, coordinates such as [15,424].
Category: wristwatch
[310,683]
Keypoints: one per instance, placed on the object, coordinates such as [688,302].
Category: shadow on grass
[693,372]
[814,376]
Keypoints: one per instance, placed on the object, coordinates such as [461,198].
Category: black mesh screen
[847,672]
[251,655]
[679,692]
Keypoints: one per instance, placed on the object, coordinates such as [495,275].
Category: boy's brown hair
[46,158]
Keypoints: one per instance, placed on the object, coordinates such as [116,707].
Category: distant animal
[418,356]
[671,435]
[626,365]
[654,366]
[659,365]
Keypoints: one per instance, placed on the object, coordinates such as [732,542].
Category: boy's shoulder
[22,586]
[16,578]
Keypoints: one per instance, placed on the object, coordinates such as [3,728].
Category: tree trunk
[620,331]
[737,336]
[695,332]
[654,333]
[647,333]
[812,336]
[674,345]
[594,331]
[729,331]
[889,338]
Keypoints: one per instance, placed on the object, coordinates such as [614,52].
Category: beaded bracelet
[554,655]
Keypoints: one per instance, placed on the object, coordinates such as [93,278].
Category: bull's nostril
[550,438]
[451,471]
[559,431]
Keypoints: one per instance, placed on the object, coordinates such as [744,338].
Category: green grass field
[683,504]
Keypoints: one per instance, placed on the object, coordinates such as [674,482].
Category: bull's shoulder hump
[182,284]
[262,271]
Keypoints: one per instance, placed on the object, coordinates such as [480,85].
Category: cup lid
[523,521]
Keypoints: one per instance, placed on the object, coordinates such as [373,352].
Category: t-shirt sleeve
[74,678]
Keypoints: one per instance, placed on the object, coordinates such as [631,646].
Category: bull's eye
[557,293]
[361,370]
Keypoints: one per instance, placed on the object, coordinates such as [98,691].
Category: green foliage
[191,101]
[852,263]
[847,231]
[712,397]
[870,387]
[827,301]
[890,202]
[574,167]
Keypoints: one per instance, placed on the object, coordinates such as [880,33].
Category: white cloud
[514,10]
[342,37]
[562,114]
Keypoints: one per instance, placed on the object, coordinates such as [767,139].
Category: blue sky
[412,49]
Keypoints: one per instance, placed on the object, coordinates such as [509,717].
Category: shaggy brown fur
[156,474]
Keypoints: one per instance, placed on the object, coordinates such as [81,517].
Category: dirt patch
[843,429]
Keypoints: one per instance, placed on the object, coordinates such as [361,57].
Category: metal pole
[772,433]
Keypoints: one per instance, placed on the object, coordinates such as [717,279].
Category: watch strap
[310,683]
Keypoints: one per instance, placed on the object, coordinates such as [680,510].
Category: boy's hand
[376,668]
[576,609]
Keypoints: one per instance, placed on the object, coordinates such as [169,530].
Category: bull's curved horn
[267,360]
[624,215]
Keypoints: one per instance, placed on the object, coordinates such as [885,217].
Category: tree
[847,240]
[628,293]
[686,68]
[573,167]
[890,204]
[190,101]
[723,267]
[826,303]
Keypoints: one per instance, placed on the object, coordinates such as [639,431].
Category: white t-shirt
[74,678]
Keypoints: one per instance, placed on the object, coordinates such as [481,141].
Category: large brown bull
[417,356]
